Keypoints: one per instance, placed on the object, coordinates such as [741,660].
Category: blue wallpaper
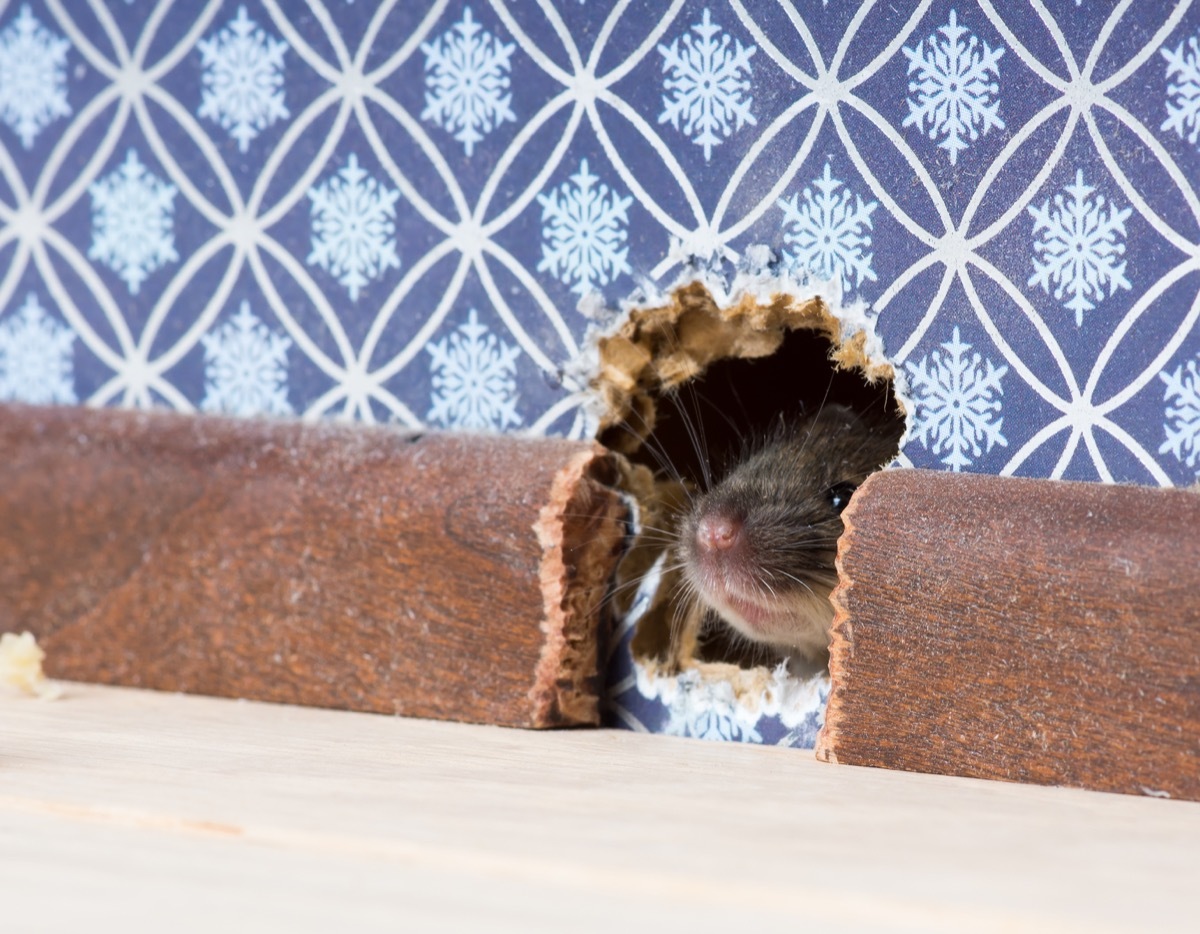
[392,213]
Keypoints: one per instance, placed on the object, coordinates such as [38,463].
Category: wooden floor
[135,811]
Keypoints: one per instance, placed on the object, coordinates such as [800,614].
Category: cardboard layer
[1027,630]
[655,350]
[437,575]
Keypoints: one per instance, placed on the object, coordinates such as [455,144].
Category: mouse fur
[758,548]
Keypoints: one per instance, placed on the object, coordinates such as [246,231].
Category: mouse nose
[718,531]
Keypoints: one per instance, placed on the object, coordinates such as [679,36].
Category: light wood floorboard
[135,811]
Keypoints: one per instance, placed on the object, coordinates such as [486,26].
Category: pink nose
[718,531]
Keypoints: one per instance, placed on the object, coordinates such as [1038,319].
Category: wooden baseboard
[436,575]
[1026,630]
[1023,630]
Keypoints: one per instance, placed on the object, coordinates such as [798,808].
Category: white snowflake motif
[33,76]
[243,79]
[956,399]
[245,367]
[466,80]
[707,709]
[827,231]
[583,232]
[1079,247]
[132,222]
[1182,423]
[954,93]
[705,85]
[36,357]
[1183,96]
[353,227]
[474,379]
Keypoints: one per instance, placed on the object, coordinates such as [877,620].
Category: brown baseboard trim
[437,575]
[1025,630]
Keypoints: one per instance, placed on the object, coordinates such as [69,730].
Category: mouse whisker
[763,582]
[657,537]
[800,581]
[636,582]
[694,427]
[642,526]
[802,548]
[684,608]
[651,446]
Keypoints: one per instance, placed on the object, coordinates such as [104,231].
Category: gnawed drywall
[651,349]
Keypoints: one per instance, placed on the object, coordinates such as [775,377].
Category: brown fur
[788,494]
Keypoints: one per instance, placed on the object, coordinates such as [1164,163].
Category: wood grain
[129,810]
[436,575]
[1026,630]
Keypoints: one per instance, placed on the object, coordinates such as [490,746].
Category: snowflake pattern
[583,232]
[243,79]
[955,87]
[36,357]
[1079,247]
[957,398]
[132,222]
[353,227]
[705,84]
[828,232]
[245,367]
[474,379]
[467,80]
[1183,96]
[33,76]
[1182,423]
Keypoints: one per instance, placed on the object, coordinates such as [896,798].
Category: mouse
[758,548]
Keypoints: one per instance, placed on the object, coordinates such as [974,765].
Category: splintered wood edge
[656,348]
[581,530]
[841,641]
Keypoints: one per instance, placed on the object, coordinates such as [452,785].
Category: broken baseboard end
[582,531]
[1035,631]
[432,575]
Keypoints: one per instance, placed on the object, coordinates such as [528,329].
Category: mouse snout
[721,530]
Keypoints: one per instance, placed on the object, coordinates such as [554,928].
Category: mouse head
[759,547]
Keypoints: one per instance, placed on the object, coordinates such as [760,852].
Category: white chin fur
[799,625]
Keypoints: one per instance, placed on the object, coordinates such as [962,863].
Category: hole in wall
[709,424]
[686,385]
[704,425]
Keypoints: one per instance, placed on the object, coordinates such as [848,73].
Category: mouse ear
[839,495]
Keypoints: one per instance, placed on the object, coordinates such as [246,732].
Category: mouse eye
[839,495]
